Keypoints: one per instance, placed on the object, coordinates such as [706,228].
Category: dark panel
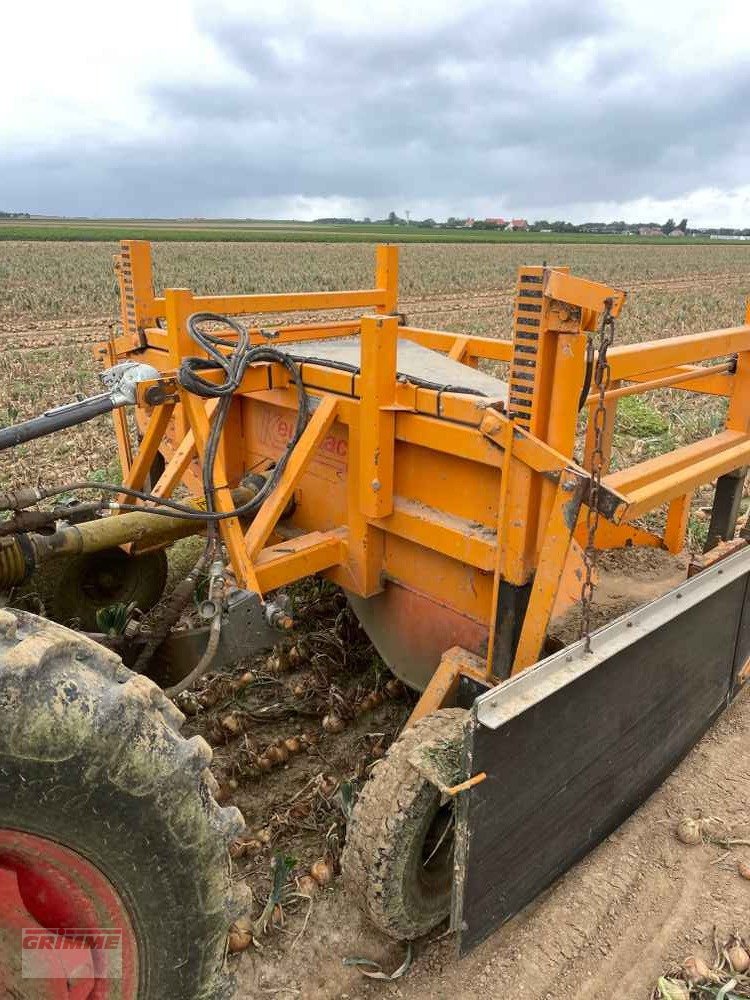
[468,691]
[742,651]
[726,507]
[567,767]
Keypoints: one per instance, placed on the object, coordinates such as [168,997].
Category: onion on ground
[322,871]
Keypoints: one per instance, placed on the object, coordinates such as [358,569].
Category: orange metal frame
[446,496]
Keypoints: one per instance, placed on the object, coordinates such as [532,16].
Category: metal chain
[602,378]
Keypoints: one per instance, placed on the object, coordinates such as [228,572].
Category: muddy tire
[91,759]
[398,858]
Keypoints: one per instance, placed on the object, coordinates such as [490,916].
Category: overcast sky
[578,109]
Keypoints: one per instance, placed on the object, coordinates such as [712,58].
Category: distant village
[670,229]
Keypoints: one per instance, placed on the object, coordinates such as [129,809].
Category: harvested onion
[307,885]
[322,871]
[231,724]
[738,958]
[332,723]
[240,935]
[743,867]
[696,970]
[690,831]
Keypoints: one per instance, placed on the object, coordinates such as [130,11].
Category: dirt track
[608,928]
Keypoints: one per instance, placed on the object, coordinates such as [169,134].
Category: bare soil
[638,904]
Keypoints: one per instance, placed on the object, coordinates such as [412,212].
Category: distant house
[468,223]
[517,225]
[500,223]
[650,231]
[676,232]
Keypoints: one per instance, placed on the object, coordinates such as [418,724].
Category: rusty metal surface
[411,632]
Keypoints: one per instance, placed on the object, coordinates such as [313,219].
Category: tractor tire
[398,857]
[92,763]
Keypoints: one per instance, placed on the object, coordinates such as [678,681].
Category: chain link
[602,378]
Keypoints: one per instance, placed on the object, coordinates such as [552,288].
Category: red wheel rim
[60,890]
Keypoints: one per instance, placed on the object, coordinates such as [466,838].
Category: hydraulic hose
[56,420]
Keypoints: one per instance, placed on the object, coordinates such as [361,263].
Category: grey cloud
[556,105]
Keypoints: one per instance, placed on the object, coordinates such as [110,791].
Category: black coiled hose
[234,364]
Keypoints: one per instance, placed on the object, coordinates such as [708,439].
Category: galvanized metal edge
[516,695]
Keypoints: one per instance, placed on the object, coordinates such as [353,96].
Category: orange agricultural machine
[448,505]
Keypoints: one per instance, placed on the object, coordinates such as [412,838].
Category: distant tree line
[618,227]
[14,215]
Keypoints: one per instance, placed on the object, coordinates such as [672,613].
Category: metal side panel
[574,744]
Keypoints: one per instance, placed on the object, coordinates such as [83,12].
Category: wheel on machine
[107,816]
[73,590]
[398,857]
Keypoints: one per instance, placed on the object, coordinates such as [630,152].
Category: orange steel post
[738,416]
[181,458]
[180,304]
[134,275]
[365,549]
[455,663]
[230,528]
[377,424]
[678,516]
[560,391]
[386,276]
[530,361]
[266,518]
[120,418]
[147,450]
[501,544]
[557,537]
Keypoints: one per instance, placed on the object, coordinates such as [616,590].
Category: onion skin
[230,724]
[307,886]
[322,872]
[738,958]
[394,688]
[240,936]
[244,679]
[696,970]
[333,724]
[689,832]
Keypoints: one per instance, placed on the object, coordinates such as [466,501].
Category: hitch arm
[120,382]
[56,420]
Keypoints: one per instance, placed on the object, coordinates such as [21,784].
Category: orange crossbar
[636,359]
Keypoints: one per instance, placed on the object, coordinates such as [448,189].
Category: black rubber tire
[387,837]
[74,589]
[99,746]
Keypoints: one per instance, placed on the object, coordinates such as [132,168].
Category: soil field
[634,907]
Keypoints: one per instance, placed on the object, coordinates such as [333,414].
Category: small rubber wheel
[73,590]
[398,857]
[107,817]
